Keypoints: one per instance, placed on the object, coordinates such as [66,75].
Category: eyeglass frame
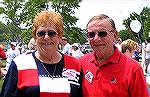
[50,33]
[99,33]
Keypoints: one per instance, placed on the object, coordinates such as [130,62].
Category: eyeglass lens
[100,34]
[43,33]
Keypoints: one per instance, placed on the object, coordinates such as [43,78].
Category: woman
[128,47]
[45,72]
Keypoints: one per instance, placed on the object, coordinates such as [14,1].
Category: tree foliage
[11,10]
[66,9]
[144,18]
[19,12]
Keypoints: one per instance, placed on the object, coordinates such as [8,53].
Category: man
[76,52]
[11,54]
[67,47]
[107,72]
[118,44]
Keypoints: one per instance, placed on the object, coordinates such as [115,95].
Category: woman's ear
[128,51]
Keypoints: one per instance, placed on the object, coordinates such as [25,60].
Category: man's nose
[96,37]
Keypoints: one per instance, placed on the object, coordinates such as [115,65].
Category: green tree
[125,34]
[146,22]
[66,9]
[29,9]
[144,18]
[11,10]
[3,29]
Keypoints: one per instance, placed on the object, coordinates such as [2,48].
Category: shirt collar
[114,58]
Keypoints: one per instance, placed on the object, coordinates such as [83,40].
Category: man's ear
[115,34]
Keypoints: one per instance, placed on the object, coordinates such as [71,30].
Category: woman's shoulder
[22,56]
[25,61]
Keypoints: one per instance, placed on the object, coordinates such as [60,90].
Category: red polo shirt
[119,76]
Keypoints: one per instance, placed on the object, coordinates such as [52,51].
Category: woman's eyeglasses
[49,33]
[100,34]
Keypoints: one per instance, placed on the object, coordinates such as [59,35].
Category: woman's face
[47,38]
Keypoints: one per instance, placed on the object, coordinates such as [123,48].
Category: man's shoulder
[129,62]
[88,56]
[71,60]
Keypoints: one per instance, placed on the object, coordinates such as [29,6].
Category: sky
[118,10]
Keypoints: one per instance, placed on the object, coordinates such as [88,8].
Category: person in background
[76,51]
[2,57]
[136,55]
[107,72]
[45,72]
[128,47]
[31,46]
[66,46]
[11,54]
[147,54]
[118,44]
[2,54]
[143,56]
[147,62]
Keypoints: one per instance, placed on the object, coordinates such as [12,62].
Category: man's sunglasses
[49,33]
[100,34]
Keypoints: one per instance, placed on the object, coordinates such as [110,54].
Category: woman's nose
[46,36]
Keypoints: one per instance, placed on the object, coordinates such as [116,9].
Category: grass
[3,63]
[1,83]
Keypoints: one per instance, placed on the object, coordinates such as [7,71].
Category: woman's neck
[49,57]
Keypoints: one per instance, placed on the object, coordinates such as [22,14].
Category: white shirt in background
[67,49]
[77,53]
[10,55]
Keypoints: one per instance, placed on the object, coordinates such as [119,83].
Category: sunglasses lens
[102,34]
[51,33]
[41,33]
[91,34]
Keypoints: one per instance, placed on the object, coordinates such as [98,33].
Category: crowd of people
[110,70]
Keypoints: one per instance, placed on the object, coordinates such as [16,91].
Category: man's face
[101,36]
[12,46]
